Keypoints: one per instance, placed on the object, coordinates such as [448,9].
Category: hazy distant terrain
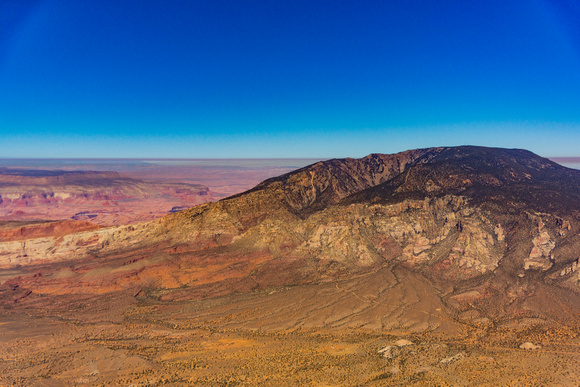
[115,192]
[570,162]
[222,176]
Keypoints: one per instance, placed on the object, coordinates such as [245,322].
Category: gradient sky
[218,79]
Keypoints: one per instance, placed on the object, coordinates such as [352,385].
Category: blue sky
[218,79]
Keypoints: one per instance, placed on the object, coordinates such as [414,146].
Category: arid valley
[439,266]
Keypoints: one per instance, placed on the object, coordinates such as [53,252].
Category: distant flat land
[223,176]
[141,189]
[570,162]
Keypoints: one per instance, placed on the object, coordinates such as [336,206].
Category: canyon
[105,198]
[125,191]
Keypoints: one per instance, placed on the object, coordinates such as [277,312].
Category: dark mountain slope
[316,186]
[510,179]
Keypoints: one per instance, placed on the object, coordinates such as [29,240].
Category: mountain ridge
[509,168]
[404,213]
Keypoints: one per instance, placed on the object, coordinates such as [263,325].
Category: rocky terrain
[438,266]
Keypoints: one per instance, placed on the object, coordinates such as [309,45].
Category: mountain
[486,175]
[457,241]
[473,222]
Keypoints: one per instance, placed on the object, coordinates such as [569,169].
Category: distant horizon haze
[104,163]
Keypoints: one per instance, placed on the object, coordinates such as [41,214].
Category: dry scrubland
[118,339]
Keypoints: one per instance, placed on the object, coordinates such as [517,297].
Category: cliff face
[319,185]
[488,235]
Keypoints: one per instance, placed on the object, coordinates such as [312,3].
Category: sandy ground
[119,339]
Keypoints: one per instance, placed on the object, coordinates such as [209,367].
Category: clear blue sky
[199,78]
